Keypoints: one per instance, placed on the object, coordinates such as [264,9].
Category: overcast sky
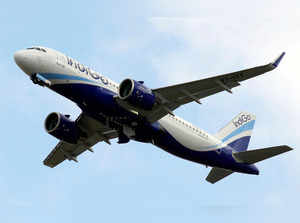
[161,42]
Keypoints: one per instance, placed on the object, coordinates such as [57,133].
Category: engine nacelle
[61,127]
[136,94]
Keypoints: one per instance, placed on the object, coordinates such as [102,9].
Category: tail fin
[254,156]
[237,132]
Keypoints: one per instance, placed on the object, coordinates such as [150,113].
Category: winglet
[278,59]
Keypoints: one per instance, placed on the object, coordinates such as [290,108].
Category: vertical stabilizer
[237,132]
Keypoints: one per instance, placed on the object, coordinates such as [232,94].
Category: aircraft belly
[168,143]
[86,95]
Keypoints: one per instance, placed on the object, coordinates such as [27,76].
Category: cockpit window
[37,48]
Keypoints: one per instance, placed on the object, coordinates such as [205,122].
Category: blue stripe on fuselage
[50,76]
[246,127]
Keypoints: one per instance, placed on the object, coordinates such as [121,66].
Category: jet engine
[61,127]
[137,94]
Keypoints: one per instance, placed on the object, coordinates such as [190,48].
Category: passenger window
[61,60]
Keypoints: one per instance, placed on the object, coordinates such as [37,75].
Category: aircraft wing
[96,132]
[172,97]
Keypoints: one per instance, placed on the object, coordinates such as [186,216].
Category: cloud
[254,31]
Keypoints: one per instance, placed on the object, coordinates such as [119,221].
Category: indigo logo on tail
[241,120]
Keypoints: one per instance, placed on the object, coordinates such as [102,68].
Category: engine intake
[61,127]
[137,94]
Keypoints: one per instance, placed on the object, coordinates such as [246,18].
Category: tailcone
[247,169]
[252,169]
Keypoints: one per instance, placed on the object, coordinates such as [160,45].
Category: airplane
[132,111]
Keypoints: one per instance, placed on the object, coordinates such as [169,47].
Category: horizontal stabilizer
[254,156]
[217,174]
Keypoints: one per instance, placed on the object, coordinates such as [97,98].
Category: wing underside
[96,132]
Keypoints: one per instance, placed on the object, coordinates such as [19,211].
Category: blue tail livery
[237,132]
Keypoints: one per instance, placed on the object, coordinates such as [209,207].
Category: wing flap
[217,174]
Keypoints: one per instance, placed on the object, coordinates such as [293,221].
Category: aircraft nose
[19,57]
[24,61]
